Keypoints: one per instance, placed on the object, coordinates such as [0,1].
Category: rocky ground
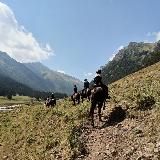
[122,138]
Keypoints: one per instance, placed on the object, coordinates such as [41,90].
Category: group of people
[97,82]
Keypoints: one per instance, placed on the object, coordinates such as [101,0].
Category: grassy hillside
[36,132]
[137,136]
[138,86]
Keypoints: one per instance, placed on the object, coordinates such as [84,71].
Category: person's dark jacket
[52,96]
[86,85]
[75,89]
[97,80]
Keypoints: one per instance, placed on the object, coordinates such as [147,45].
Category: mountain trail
[123,140]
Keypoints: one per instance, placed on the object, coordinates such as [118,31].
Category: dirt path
[125,140]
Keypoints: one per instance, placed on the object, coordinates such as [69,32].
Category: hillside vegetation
[138,86]
[130,59]
[135,136]
[36,132]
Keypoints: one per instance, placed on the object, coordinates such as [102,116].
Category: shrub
[9,96]
[145,102]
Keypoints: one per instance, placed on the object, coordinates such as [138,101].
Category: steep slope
[20,73]
[58,81]
[131,59]
[136,136]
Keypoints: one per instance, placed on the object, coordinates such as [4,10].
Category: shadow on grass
[116,116]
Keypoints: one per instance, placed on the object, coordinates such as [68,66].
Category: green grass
[137,87]
[37,132]
[4,101]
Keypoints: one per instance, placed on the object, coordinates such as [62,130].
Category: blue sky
[83,34]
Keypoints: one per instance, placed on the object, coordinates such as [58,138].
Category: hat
[85,79]
[99,71]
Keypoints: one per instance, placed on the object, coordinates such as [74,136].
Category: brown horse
[76,98]
[86,93]
[98,97]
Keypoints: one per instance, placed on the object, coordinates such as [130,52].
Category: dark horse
[98,97]
[75,98]
[86,93]
[50,102]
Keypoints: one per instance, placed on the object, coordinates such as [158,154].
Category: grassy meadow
[15,100]
[37,132]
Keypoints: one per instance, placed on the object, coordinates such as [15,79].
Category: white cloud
[155,34]
[17,41]
[61,71]
[88,74]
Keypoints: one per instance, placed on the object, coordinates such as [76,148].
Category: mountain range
[36,76]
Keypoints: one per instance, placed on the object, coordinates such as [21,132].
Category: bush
[9,96]
[145,102]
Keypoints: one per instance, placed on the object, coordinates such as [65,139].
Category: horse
[86,93]
[75,98]
[98,97]
[50,102]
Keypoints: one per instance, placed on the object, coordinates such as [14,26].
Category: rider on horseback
[75,89]
[98,79]
[52,96]
[86,84]
[98,82]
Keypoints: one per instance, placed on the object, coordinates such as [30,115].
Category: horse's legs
[104,105]
[78,100]
[74,103]
[82,99]
[91,114]
[99,110]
